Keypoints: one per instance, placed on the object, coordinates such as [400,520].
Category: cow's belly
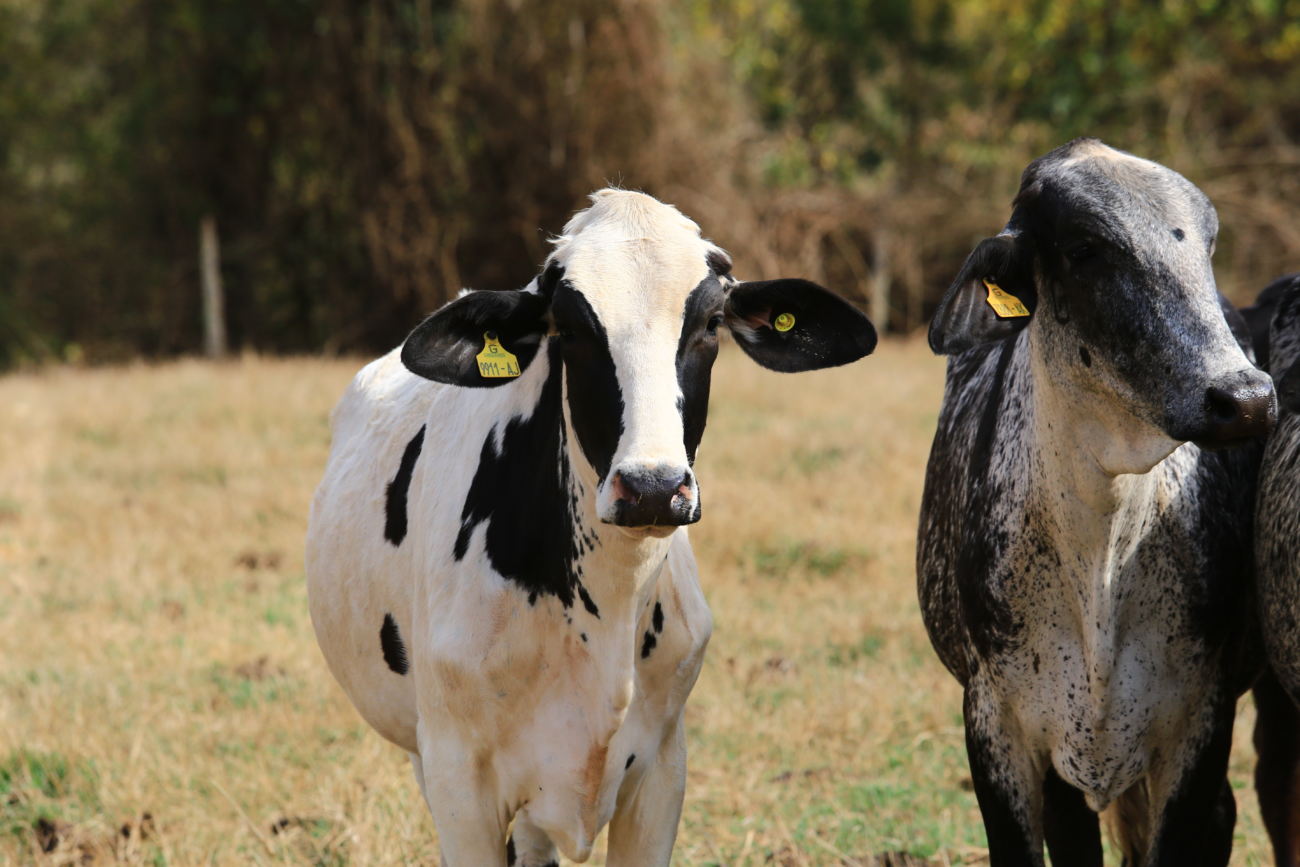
[1101,713]
[350,610]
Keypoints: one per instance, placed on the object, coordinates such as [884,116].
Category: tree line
[362,161]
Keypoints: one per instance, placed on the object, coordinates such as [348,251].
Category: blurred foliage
[365,160]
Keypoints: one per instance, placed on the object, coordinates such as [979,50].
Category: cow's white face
[638,301]
[630,303]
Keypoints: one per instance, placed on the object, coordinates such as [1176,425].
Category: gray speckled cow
[1275,323]
[1084,562]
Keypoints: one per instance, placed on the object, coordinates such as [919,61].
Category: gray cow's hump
[1278,552]
[1277,541]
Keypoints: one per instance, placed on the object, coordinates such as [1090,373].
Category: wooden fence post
[214,306]
[878,307]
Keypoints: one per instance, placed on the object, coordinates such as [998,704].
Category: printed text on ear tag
[494,362]
[784,322]
[1004,303]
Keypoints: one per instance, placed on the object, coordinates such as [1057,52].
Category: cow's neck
[617,567]
[532,502]
[1094,517]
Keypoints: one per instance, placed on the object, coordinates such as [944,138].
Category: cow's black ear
[503,328]
[794,325]
[993,297]
[1288,389]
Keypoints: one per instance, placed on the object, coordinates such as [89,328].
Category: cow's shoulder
[381,395]
[972,515]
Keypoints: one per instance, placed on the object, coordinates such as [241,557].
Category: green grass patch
[852,653]
[807,558]
[38,786]
[252,684]
[810,461]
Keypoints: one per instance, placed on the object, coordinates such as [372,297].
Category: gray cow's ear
[794,325]
[480,340]
[993,297]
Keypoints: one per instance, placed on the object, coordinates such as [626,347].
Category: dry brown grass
[162,699]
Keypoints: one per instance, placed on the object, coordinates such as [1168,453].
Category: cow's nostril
[1222,405]
[625,490]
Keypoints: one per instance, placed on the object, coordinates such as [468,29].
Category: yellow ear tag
[784,322]
[495,362]
[1004,303]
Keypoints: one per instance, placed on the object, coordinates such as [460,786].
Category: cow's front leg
[470,817]
[529,846]
[1071,829]
[1008,785]
[1191,803]
[649,807]
[1277,770]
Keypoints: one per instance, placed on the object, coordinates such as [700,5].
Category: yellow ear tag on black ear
[1004,303]
[784,322]
[495,362]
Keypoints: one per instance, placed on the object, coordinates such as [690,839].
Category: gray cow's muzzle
[1239,407]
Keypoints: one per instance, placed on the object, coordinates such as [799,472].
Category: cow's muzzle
[1239,407]
[663,496]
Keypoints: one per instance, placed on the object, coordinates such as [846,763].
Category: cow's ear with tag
[993,297]
[794,325]
[480,340]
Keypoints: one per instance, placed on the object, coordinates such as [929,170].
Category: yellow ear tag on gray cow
[784,322]
[1004,303]
[495,362]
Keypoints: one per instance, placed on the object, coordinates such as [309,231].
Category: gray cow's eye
[714,322]
[1080,253]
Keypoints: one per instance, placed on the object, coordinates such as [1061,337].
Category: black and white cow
[1084,562]
[498,568]
[1275,323]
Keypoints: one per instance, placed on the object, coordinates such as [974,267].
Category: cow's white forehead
[630,255]
[1151,190]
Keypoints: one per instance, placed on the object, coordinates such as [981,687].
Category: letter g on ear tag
[784,322]
[1004,304]
[495,361]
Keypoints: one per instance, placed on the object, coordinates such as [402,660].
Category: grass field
[162,699]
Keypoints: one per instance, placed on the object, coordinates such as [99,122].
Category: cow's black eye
[714,322]
[1081,252]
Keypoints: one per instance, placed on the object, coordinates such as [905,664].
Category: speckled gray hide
[1278,515]
[1274,323]
[1083,571]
